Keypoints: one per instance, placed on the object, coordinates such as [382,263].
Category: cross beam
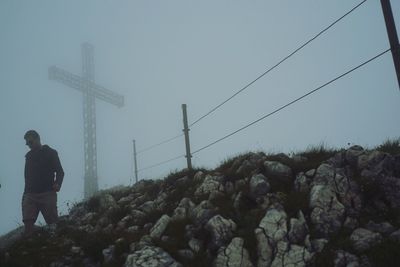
[91,91]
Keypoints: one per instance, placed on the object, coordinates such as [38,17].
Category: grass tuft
[391,146]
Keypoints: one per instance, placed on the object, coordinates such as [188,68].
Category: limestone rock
[345,259]
[183,210]
[293,255]
[271,230]
[210,184]
[318,244]
[259,185]
[302,183]
[274,225]
[298,229]
[151,257]
[203,212]
[395,236]
[106,202]
[383,228]
[327,212]
[221,230]
[275,168]
[363,239]
[158,229]
[234,255]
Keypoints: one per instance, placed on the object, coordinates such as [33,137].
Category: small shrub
[93,203]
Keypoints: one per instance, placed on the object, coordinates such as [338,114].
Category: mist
[162,54]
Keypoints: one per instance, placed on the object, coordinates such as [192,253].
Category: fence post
[135,160]
[392,34]
[187,142]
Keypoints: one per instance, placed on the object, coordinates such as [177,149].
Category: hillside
[320,207]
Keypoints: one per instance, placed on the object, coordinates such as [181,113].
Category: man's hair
[32,133]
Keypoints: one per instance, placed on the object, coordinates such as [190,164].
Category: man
[43,178]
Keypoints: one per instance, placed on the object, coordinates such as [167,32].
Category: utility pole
[392,34]
[135,160]
[187,142]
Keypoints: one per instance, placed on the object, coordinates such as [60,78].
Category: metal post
[187,142]
[135,161]
[392,34]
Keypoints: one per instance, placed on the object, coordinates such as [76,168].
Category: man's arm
[58,169]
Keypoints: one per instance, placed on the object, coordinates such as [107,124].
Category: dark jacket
[42,170]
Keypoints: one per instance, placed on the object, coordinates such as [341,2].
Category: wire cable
[294,101]
[277,64]
[159,144]
[160,163]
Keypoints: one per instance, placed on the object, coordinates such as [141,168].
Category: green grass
[391,146]
[315,155]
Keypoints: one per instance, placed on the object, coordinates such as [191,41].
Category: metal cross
[91,91]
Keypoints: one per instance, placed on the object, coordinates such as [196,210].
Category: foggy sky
[161,54]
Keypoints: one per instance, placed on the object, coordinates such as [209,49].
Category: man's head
[32,139]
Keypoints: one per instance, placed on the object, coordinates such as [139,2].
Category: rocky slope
[317,208]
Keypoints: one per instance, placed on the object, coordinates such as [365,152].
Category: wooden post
[392,34]
[187,142]
[135,160]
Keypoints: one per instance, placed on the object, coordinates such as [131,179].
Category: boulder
[275,168]
[298,229]
[259,185]
[234,255]
[345,259]
[327,212]
[384,228]
[150,256]
[293,255]
[210,184]
[183,210]
[221,230]
[363,239]
[158,229]
[302,183]
[271,230]
[274,225]
[106,202]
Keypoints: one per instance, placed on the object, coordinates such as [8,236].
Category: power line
[160,143]
[277,64]
[161,163]
[294,101]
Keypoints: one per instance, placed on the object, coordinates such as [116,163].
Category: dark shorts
[33,203]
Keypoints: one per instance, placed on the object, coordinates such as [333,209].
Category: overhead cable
[160,143]
[277,64]
[161,163]
[292,102]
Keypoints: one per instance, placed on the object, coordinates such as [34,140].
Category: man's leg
[48,207]
[30,212]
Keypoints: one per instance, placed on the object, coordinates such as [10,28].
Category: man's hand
[56,187]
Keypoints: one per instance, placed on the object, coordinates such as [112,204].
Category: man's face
[32,142]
